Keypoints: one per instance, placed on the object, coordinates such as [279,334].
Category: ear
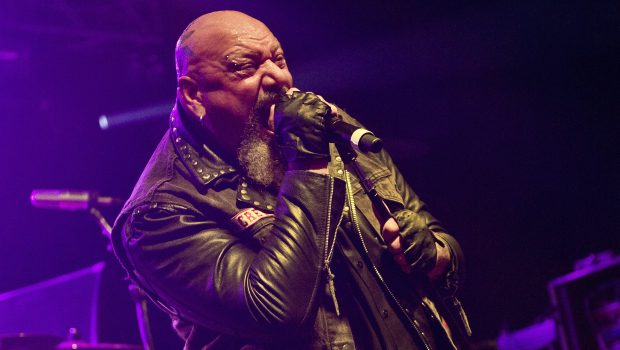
[190,96]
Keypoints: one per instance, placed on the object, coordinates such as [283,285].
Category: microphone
[70,199]
[361,139]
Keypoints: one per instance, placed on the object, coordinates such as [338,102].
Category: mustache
[265,100]
[260,111]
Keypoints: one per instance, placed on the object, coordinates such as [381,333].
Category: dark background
[502,115]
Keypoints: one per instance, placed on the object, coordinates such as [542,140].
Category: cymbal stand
[137,295]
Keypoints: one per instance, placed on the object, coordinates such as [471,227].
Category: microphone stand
[349,156]
[137,295]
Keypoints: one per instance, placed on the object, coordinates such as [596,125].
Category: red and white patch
[248,217]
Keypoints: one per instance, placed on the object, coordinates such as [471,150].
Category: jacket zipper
[329,249]
[355,221]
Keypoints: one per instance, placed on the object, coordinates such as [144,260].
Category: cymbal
[25,341]
[72,345]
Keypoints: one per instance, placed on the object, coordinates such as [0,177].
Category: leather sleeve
[412,202]
[212,277]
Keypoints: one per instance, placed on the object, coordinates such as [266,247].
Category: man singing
[251,231]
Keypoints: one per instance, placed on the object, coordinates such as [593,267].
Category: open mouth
[264,109]
[264,117]
[270,122]
[264,112]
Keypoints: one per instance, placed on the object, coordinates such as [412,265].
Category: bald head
[230,68]
[197,40]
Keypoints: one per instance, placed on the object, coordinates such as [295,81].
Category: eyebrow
[251,53]
[276,47]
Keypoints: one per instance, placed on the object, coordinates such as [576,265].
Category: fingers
[331,106]
[334,109]
[442,262]
[390,230]
[395,248]
[401,260]
[291,90]
[391,235]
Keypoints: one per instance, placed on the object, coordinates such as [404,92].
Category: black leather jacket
[236,265]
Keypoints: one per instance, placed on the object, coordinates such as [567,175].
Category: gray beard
[259,155]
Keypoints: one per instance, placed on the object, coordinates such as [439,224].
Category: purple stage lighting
[54,306]
[7,55]
[158,111]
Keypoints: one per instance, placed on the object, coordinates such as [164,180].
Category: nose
[275,78]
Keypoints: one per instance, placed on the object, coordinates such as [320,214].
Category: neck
[203,133]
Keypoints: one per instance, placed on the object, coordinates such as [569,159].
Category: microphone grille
[60,199]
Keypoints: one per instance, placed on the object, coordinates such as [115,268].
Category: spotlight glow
[103,122]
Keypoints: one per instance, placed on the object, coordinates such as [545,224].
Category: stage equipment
[587,304]
[586,310]
[360,139]
[24,341]
[540,335]
[73,345]
[71,200]
[91,201]
[58,304]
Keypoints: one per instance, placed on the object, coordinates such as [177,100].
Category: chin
[260,157]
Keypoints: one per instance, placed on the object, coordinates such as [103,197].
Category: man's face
[240,75]
[237,69]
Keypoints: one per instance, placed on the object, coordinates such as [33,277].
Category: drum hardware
[90,201]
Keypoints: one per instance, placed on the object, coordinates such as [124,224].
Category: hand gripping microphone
[361,139]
